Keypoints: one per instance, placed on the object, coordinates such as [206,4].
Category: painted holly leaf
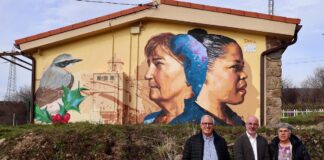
[42,115]
[62,110]
[72,98]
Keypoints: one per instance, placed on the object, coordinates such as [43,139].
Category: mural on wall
[193,74]
[54,97]
[177,79]
[107,90]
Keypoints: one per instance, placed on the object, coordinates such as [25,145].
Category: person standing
[250,145]
[287,146]
[206,145]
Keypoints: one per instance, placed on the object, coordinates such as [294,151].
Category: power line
[303,58]
[311,61]
[107,2]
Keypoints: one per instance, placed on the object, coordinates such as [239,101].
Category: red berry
[58,117]
[53,120]
[66,118]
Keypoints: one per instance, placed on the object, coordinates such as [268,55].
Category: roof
[150,5]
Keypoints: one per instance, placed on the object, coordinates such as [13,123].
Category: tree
[24,93]
[315,83]
[289,92]
[316,80]
[287,83]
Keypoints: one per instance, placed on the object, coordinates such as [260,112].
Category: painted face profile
[165,75]
[226,78]
[166,78]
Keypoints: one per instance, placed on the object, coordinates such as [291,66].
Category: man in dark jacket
[287,146]
[250,145]
[206,145]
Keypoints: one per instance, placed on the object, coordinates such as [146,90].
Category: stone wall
[273,81]
[273,90]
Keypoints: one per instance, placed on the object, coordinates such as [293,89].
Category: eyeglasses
[207,124]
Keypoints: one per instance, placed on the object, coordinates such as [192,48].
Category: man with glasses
[250,145]
[206,145]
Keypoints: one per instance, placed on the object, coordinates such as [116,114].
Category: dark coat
[243,148]
[299,151]
[194,147]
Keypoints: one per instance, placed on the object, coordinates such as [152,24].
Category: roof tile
[293,20]
[184,4]
[252,14]
[66,28]
[237,12]
[171,2]
[211,8]
[265,16]
[223,10]
[115,15]
[197,6]
[279,18]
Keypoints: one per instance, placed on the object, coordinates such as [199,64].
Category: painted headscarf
[195,60]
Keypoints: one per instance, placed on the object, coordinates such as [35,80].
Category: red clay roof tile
[265,16]
[237,12]
[197,6]
[223,10]
[171,2]
[184,4]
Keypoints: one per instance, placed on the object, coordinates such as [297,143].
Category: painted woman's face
[166,76]
[226,78]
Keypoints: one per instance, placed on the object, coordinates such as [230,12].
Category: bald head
[253,119]
[251,125]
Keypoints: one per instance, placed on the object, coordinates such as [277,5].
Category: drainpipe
[263,54]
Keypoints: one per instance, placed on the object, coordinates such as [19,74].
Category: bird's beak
[76,60]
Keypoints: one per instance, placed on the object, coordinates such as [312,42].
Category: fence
[295,112]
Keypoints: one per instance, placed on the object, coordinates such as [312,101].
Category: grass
[98,141]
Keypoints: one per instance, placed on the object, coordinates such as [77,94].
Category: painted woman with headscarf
[225,79]
[175,78]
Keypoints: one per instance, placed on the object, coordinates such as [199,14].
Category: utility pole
[271,7]
[12,85]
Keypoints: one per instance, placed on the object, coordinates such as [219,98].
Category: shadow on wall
[251,104]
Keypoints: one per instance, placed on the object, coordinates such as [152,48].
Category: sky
[22,18]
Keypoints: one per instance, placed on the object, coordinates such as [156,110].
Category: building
[108,59]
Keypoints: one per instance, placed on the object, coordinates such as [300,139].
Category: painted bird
[50,89]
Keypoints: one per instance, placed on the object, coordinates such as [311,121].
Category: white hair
[206,115]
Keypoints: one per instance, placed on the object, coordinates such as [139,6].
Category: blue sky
[21,18]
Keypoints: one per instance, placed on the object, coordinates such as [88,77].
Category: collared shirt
[253,144]
[210,152]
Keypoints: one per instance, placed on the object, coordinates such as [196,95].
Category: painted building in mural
[150,65]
